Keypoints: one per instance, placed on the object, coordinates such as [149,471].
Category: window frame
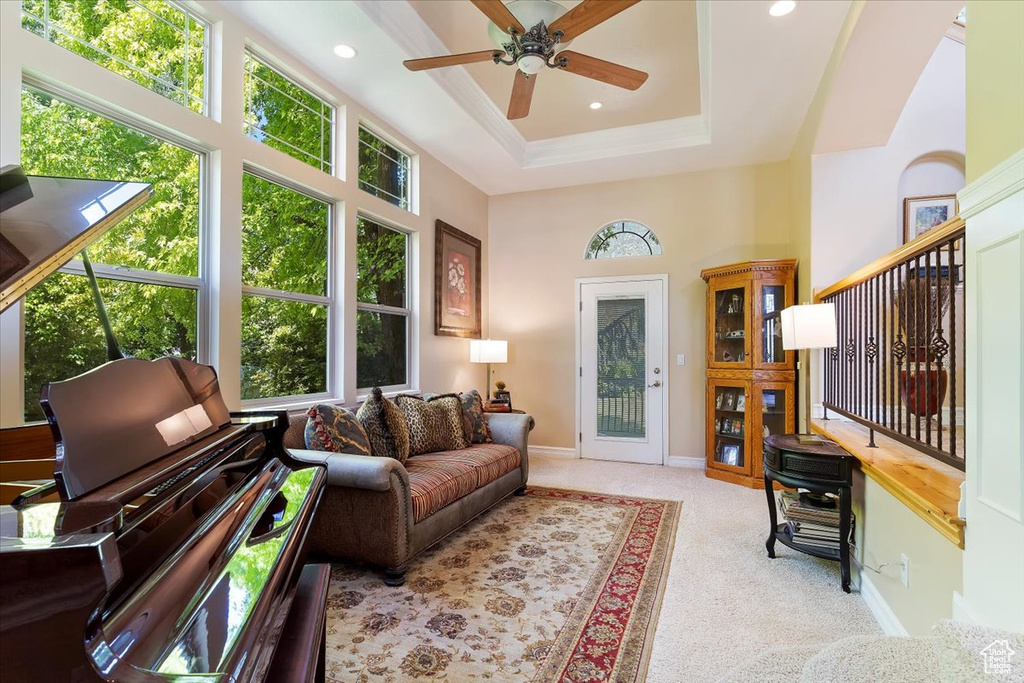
[104,271]
[588,256]
[204,101]
[407,311]
[328,124]
[409,167]
[328,301]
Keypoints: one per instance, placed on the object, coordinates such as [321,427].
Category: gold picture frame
[456,283]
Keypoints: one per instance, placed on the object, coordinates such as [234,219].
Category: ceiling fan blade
[600,70]
[587,15]
[499,14]
[450,60]
[522,95]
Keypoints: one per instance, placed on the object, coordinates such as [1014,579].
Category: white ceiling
[758,75]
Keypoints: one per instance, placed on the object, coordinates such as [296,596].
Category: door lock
[657,371]
[657,383]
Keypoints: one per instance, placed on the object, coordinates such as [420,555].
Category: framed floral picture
[456,282]
[921,214]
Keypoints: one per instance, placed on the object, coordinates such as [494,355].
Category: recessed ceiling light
[596,105]
[345,51]
[782,8]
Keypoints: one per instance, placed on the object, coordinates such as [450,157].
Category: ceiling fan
[551,30]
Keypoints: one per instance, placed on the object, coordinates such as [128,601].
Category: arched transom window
[623,239]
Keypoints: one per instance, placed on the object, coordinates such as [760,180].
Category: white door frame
[580,281]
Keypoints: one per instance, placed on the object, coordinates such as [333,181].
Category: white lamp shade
[811,326]
[488,351]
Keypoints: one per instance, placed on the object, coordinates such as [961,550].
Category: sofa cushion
[474,424]
[439,479]
[385,426]
[332,428]
[434,425]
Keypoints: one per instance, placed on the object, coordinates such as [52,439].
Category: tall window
[383,314]
[384,170]
[623,239]
[282,114]
[285,306]
[154,43]
[147,266]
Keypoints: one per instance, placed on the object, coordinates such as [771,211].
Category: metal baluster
[929,316]
[954,328]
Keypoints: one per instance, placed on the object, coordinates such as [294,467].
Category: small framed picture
[718,400]
[921,214]
[730,401]
[741,402]
[731,455]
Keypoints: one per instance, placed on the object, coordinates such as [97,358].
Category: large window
[382,316]
[285,305]
[147,266]
[384,170]
[154,43]
[284,115]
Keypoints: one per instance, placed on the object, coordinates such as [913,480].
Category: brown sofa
[379,511]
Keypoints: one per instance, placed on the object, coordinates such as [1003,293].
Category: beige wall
[995,83]
[537,242]
[887,529]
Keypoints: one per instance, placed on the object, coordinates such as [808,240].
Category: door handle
[657,383]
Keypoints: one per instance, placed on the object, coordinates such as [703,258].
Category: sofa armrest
[355,471]
[512,429]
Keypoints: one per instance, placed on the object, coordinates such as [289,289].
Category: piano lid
[45,221]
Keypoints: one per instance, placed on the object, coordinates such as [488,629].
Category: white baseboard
[552,451]
[880,609]
[688,461]
[962,610]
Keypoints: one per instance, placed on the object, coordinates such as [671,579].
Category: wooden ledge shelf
[931,489]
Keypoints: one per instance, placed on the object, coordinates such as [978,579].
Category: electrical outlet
[905,571]
[681,359]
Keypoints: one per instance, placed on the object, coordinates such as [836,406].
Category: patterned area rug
[551,586]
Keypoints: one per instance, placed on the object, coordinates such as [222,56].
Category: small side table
[821,467]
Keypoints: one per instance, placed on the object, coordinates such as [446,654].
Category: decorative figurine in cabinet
[750,378]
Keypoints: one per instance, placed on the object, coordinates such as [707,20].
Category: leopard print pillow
[434,425]
[385,427]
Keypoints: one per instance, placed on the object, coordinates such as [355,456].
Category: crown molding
[1005,179]
[408,29]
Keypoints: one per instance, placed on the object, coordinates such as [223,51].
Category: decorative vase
[923,391]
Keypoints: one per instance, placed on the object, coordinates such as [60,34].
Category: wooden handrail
[951,229]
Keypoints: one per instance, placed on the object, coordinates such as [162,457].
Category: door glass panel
[621,368]
[730,410]
[772,301]
[773,411]
[729,332]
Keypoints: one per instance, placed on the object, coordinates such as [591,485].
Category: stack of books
[816,526]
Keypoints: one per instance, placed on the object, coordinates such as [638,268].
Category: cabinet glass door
[729,427]
[730,342]
[773,412]
[773,300]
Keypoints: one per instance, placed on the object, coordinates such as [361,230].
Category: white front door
[622,373]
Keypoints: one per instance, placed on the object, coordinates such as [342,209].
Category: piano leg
[301,654]
[395,576]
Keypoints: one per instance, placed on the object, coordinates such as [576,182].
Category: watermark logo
[997,656]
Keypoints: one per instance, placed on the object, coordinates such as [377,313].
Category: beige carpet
[725,601]
[553,586]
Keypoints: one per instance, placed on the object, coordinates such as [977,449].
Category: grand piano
[170,542]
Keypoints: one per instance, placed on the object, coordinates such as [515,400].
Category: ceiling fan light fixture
[529,13]
[530,64]
[782,7]
[345,51]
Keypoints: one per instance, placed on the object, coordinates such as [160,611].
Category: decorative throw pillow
[476,427]
[385,427]
[332,428]
[434,425]
[474,424]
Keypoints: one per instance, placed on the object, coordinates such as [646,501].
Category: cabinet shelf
[738,437]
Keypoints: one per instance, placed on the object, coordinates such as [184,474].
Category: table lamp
[804,327]
[488,351]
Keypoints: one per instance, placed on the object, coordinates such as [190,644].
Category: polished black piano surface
[177,547]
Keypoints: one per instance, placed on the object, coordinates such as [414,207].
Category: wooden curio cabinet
[750,377]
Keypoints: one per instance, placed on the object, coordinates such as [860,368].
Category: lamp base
[809,439]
